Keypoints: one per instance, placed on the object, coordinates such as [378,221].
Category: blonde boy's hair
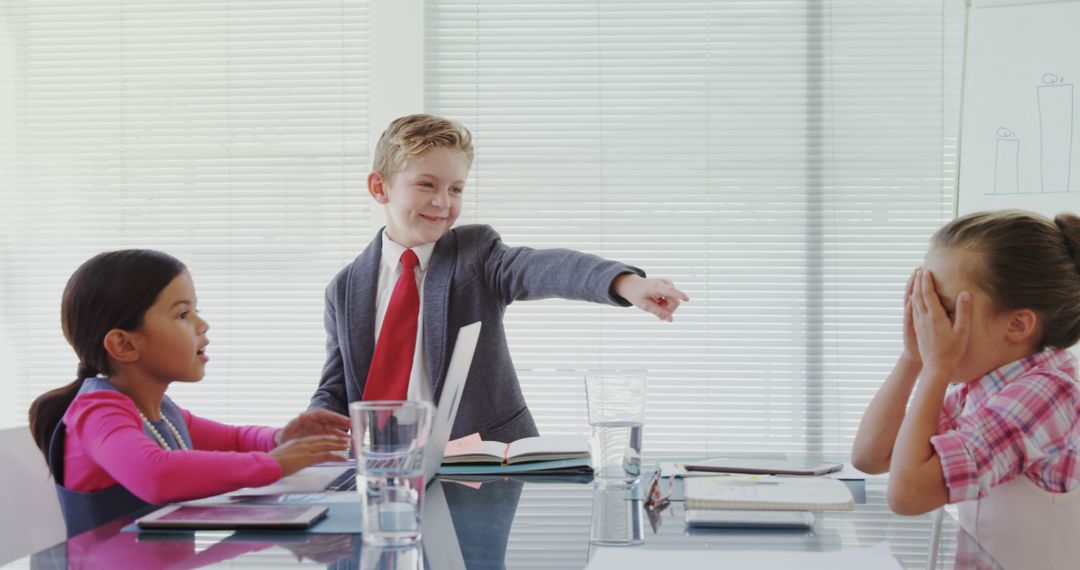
[412,135]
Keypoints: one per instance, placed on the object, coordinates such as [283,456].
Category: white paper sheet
[311,480]
[876,557]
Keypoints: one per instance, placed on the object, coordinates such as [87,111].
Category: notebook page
[550,445]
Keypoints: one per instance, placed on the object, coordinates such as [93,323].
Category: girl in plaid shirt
[992,310]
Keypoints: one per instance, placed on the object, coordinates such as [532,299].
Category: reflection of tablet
[232,516]
[764,466]
[749,519]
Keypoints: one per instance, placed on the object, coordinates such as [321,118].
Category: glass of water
[616,402]
[374,557]
[618,515]
[389,439]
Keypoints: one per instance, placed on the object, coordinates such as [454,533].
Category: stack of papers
[761,492]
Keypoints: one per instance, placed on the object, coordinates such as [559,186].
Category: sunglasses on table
[658,493]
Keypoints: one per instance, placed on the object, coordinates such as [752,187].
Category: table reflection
[521,523]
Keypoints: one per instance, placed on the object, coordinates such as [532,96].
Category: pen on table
[741,479]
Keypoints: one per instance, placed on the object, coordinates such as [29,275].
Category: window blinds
[232,134]
[783,162]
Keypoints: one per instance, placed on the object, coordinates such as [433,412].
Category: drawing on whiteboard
[1007,162]
[1056,117]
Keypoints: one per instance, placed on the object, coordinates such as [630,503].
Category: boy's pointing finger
[668,290]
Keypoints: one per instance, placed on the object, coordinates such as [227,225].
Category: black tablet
[232,517]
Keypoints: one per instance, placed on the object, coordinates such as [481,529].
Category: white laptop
[450,399]
[331,477]
[441,543]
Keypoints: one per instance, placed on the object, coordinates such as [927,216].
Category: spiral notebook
[768,493]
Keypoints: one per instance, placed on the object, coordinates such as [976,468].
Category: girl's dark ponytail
[112,290]
[52,404]
[87,371]
[47,410]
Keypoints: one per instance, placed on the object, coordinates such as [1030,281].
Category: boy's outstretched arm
[523,273]
[656,296]
[872,450]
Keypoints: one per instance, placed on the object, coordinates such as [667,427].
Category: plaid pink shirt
[1023,418]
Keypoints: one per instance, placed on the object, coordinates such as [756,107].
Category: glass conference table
[526,522]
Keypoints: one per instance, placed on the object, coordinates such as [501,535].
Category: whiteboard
[1019,127]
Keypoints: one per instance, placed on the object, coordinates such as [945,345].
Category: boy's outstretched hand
[315,422]
[656,296]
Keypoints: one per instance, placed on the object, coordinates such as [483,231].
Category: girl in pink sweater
[114,441]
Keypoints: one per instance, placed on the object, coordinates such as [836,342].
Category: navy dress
[84,511]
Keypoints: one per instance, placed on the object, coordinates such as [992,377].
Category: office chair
[1024,526]
[31,514]
[935,539]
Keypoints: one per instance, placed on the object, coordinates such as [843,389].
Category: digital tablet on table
[232,517]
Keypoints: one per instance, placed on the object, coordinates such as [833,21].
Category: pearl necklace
[161,440]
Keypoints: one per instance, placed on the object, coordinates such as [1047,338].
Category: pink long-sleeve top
[105,445]
[107,547]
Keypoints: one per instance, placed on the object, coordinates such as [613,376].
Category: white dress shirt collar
[391,252]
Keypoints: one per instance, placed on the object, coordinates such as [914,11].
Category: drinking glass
[616,403]
[618,515]
[389,440]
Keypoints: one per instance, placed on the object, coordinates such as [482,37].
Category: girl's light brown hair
[412,135]
[1026,261]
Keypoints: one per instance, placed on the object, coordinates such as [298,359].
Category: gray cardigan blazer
[472,277]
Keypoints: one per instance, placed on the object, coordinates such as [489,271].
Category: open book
[556,453]
[762,492]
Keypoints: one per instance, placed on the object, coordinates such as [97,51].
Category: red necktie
[391,365]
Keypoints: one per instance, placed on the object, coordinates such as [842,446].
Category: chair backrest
[31,513]
[1024,526]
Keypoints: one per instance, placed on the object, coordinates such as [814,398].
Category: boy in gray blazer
[463,275]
